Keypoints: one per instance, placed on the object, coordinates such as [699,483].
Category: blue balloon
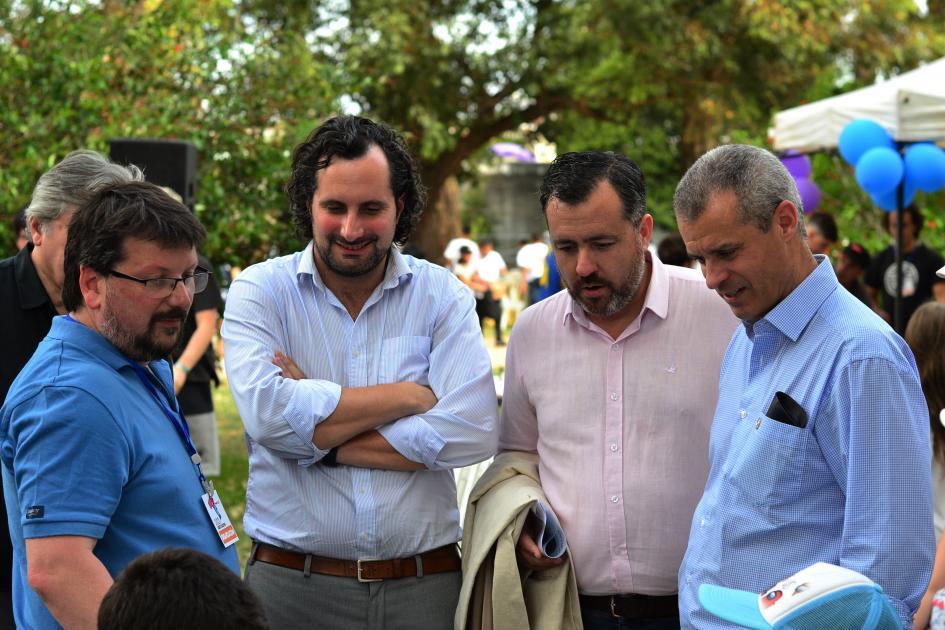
[860,136]
[888,201]
[879,170]
[925,166]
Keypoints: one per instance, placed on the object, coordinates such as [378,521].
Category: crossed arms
[352,426]
[425,398]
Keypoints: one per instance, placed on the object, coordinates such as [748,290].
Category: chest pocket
[768,467]
[405,359]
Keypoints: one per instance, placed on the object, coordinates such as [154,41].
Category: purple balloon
[797,164]
[810,194]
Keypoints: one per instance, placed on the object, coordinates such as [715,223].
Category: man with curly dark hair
[362,380]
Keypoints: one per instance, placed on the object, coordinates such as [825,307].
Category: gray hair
[74,181]
[758,178]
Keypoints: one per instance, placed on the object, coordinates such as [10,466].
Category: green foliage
[662,81]
[188,69]
[703,75]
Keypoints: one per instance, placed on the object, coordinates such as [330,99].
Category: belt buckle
[613,609]
[366,580]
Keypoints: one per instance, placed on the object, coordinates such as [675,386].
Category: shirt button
[613,448]
[742,414]
[356,354]
[613,348]
[615,396]
[702,523]
[361,489]
[615,499]
[687,579]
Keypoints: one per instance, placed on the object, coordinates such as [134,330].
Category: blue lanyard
[178,422]
[176,418]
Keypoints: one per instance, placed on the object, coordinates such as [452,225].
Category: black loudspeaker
[171,163]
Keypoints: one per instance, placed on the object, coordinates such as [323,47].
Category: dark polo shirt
[26,314]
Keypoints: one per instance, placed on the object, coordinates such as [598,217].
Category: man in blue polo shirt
[97,463]
[819,450]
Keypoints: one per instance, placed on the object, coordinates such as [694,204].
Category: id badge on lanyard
[210,499]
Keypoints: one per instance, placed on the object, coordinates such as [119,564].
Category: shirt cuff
[311,402]
[416,440]
[64,528]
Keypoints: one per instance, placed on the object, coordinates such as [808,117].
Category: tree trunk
[441,219]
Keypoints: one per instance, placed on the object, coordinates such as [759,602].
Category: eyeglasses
[164,287]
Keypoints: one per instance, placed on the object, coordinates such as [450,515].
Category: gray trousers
[293,601]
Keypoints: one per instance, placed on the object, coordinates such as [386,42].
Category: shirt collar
[792,314]
[398,267]
[91,341]
[30,287]
[657,295]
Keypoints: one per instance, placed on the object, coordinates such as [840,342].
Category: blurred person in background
[821,232]
[850,268]
[490,269]
[919,264]
[20,231]
[530,258]
[451,253]
[925,335]
[550,282]
[194,367]
[195,370]
[672,251]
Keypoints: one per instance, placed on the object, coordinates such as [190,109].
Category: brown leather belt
[441,560]
[633,606]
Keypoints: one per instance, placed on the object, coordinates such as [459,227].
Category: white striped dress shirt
[419,325]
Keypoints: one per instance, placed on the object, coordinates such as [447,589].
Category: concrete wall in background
[511,195]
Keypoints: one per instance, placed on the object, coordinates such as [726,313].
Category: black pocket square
[785,409]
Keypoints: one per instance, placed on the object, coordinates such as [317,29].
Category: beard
[146,346]
[352,268]
[620,295]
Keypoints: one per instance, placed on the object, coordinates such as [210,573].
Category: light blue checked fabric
[853,488]
[419,325]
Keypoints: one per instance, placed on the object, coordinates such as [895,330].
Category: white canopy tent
[910,106]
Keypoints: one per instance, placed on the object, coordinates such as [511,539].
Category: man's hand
[362,409]
[529,553]
[371,450]
[289,369]
[423,397]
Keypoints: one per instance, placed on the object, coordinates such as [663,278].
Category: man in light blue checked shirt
[820,445]
[362,380]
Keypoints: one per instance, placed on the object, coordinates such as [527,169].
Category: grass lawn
[231,484]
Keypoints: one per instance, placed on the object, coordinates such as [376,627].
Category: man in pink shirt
[613,383]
